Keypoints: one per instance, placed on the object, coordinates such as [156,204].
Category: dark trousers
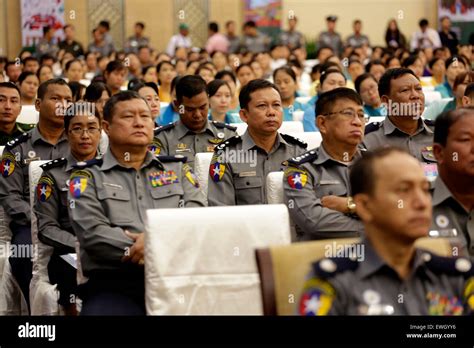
[114,293]
[64,275]
[21,265]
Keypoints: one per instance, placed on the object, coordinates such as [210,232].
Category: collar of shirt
[248,143]
[109,161]
[389,127]
[182,130]
[373,262]
[323,156]
[36,135]
[70,161]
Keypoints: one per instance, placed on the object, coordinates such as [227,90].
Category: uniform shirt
[332,40]
[307,179]
[445,90]
[19,129]
[15,186]
[51,205]
[133,43]
[385,133]
[449,215]
[75,48]
[239,169]
[345,286]
[234,44]
[176,41]
[292,38]
[256,44]
[177,139]
[357,40]
[107,198]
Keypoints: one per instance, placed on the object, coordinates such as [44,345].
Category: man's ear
[465,101]
[244,115]
[176,106]
[37,104]
[439,153]
[321,123]
[362,201]
[106,126]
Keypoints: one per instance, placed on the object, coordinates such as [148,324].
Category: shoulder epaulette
[293,140]
[85,164]
[371,127]
[21,139]
[303,158]
[54,163]
[177,158]
[229,142]
[448,265]
[329,267]
[163,128]
[223,125]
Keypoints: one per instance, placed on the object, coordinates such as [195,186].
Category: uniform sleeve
[193,194]
[47,207]
[96,235]
[161,143]
[307,211]
[220,183]
[11,189]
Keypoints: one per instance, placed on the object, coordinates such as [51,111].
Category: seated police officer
[400,89]
[82,127]
[453,190]
[10,108]
[240,166]
[108,203]
[316,184]
[386,274]
[47,141]
[193,132]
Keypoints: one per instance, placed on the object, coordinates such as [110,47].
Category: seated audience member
[438,70]
[453,189]
[78,90]
[257,69]
[10,108]
[13,71]
[74,71]
[468,98]
[149,74]
[193,132]
[111,231]
[28,83]
[355,69]
[367,87]
[44,73]
[400,89]
[82,128]
[205,72]
[376,68]
[229,77]
[114,76]
[166,73]
[369,279]
[316,184]
[98,93]
[220,97]
[31,64]
[169,114]
[454,66]
[261,149]
[244,74]
[149,92]
[286,81]
[415,64]
[393,62]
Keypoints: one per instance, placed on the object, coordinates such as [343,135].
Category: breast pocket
[248,190]
[331,189]
[168,196]
[117,205]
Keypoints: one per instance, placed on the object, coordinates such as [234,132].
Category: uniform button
[197,139]
[169,191]
[248,183]
[139,198]
[54,147]
[138,176]
[114,194]
[330,192]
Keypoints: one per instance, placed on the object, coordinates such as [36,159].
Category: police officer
[401,91]
[386,274]
[193,132]
[45,142]
[453,190]
[240,166]
[10,108]
[108,203]
[82,127]
[316,184]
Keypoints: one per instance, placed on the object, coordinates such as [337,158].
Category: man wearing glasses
[316,184]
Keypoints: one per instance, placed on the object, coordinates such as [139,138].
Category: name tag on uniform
[183,150]
[329,182]
[118,187]
[27,161]
[246,174]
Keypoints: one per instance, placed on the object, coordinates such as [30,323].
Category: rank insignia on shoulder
[189,174]
[7,167]
[216,141]
[162,178]
[317,298]
[296,178]
[44,188]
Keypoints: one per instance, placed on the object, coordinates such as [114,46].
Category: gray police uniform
[344,286]
[450,216]
[177,139]
[239,169]
[385,133]
[332,40]
[107,198]
[307,179]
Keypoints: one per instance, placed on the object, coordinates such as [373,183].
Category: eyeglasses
[80,131]
[349,114]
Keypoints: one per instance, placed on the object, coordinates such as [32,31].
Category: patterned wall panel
[194,13]
[112,11]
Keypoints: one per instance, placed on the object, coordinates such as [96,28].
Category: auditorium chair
[201,261]
[287,127]
[28,114]
[202,161]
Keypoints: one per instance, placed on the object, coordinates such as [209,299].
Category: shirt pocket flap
[113,193]
[248,182]
[166,191]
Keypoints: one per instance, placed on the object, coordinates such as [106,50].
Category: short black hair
[30,59]
[389,75]
[104,24]
[43,88]
[214,85]
[46,57]
[433,61]
[10,85]
[445,121]
[252,86]
[109,107]
[222,73]
[286,69]
[454,59]
[76,88]
[24,75]
[469,92]
[80,108]
[423,22]
[138,86]
[189,86]
[410,60]
[214,27]
[46,29]
[325,73]
[140,24]
[115,65]
[94,91]
[250,24]
[328,98]
[242,66]
[71,62]
[372,63]
[362,175]
[361,79]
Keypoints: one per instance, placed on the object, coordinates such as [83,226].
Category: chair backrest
[202,161]
[313,139]
[283,269]
[275,188]
[202,260]
[28,114]
[373,119]
[287,127]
